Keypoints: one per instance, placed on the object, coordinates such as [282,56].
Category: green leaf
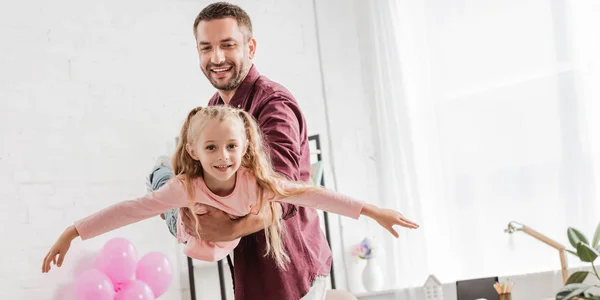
[586,253]
[596,236]
[577,277]
[575,236]
[571,290]
[573,252]
[598,248]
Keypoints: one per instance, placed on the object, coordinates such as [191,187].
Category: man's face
[225,52]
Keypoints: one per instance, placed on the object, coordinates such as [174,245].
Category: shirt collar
[243,91]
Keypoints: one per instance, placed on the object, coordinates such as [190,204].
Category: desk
[536,286]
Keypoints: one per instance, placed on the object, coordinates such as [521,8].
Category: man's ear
[191,152]
[251,48]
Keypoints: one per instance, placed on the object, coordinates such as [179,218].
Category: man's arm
[217,226]
[280,127]
[281,131]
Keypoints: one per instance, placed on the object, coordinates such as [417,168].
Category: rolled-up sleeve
[280,124]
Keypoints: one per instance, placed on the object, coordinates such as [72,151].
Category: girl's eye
[232,146]
[210,147]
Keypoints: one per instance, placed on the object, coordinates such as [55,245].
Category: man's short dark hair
[221,10]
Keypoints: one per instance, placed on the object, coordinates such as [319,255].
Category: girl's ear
[191,151]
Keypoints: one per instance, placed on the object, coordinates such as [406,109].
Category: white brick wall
[93,91]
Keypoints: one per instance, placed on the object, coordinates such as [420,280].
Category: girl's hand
[387,218]
[59,248]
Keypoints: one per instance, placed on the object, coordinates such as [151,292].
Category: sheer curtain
[484,113]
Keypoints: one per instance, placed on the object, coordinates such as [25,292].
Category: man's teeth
[221,69]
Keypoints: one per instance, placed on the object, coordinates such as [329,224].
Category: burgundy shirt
[284,130]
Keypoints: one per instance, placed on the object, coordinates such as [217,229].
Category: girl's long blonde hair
[255,160]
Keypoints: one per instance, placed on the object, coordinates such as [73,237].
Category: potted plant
[586,252]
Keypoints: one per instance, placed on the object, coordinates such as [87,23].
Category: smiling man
[226,48]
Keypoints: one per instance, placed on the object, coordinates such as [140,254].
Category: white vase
[372,276]
[355,282]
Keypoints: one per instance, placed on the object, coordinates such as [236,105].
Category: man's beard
[234,82]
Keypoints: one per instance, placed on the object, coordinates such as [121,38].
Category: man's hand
[217,226]
[213,226]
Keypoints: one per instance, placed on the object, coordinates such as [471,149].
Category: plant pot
[505,296]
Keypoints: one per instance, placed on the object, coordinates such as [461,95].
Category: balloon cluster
[119,275]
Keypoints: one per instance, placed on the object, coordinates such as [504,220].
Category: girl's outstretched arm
[171,195]
[344,205]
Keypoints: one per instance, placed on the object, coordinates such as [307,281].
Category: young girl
[220,162]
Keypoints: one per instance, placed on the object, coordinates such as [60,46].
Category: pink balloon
[117,260]
[135,290]
[94,285]
[156,271]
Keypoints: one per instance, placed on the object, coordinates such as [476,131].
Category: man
[226,48]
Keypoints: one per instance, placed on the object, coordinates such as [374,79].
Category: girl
[220,162]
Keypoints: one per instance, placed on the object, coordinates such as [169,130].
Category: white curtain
[484,113]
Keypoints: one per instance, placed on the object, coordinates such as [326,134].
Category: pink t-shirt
[239,203]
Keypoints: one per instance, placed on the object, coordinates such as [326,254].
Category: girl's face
[220,148]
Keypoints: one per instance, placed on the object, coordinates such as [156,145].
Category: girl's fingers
[393,232]
[61,257]
[46,263]
[407,223]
